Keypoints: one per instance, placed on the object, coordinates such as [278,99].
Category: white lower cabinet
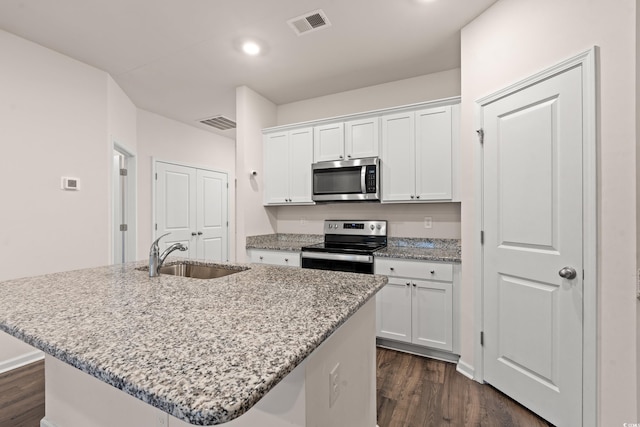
[261,256]
[417,305]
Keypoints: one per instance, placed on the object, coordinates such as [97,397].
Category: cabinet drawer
[393,267]
[275,257]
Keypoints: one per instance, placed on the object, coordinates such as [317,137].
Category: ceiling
[179,58]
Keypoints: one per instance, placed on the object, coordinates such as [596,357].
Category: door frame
[587,60]
[131,204]
[154,161]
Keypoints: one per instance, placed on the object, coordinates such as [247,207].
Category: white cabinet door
[175,211]
[192,205]
[393,310]
[300,160]
[328,142]
[398,157]
[276,168]
[362,138]
[211,219]
[433,154]
[286,258]
[431,312]
[287,164]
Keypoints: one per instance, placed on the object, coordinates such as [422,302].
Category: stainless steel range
[348,246]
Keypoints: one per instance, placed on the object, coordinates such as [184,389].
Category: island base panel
[301,399]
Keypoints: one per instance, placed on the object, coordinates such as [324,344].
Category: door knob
[568,273]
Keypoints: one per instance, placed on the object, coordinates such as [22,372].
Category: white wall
[168,140]
[53,123]
[253,113]
[512,40]
[405,220]
[402,92]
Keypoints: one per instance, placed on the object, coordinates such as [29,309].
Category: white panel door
[532,219]
[211,225]
[393,310]
[432,317]
[176,206]
[362,138]
[398,157]
[433,154]
[328,142]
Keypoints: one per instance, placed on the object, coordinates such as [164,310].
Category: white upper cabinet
[418,152]
[353,139]
[328,142]
[287,164]
[433,154]
[417,144]
[361,138]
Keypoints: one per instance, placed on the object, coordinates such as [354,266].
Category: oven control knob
[378,226]
[373,227]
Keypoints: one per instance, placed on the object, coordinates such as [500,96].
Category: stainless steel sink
[199,271]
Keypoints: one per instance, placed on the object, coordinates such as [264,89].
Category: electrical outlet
[428,223]
[334,384]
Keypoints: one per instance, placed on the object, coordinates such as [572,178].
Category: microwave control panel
[371,179]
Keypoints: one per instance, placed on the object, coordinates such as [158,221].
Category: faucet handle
[154,245]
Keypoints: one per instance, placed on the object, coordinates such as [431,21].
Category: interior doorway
[123,202]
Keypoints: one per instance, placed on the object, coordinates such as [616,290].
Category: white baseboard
[465,369]
[20,361]
[46,423]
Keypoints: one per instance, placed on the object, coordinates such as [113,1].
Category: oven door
[338,262]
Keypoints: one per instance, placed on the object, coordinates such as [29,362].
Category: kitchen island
[263,345]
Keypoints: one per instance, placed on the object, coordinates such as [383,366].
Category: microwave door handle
[363,179]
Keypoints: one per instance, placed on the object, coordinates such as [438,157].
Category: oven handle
[363,180]
[338,257]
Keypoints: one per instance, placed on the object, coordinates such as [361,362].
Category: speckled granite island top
[204,351]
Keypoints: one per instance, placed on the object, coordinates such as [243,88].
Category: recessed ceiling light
[251,48]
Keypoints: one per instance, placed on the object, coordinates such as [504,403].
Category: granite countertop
[445,250]
[283,241]
[204,351]
[422,249]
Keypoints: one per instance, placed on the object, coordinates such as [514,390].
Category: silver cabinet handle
[193,233]
[568,273]
[199,233]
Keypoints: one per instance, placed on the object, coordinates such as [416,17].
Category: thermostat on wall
[69,183]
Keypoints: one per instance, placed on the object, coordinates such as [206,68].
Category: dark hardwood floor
[22,396]
[415,391]
[412,391]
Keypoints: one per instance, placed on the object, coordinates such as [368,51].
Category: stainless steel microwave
[347,180]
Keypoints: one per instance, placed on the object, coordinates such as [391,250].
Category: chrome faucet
[156,259]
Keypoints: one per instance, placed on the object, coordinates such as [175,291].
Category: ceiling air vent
[309,22]
[219,122]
